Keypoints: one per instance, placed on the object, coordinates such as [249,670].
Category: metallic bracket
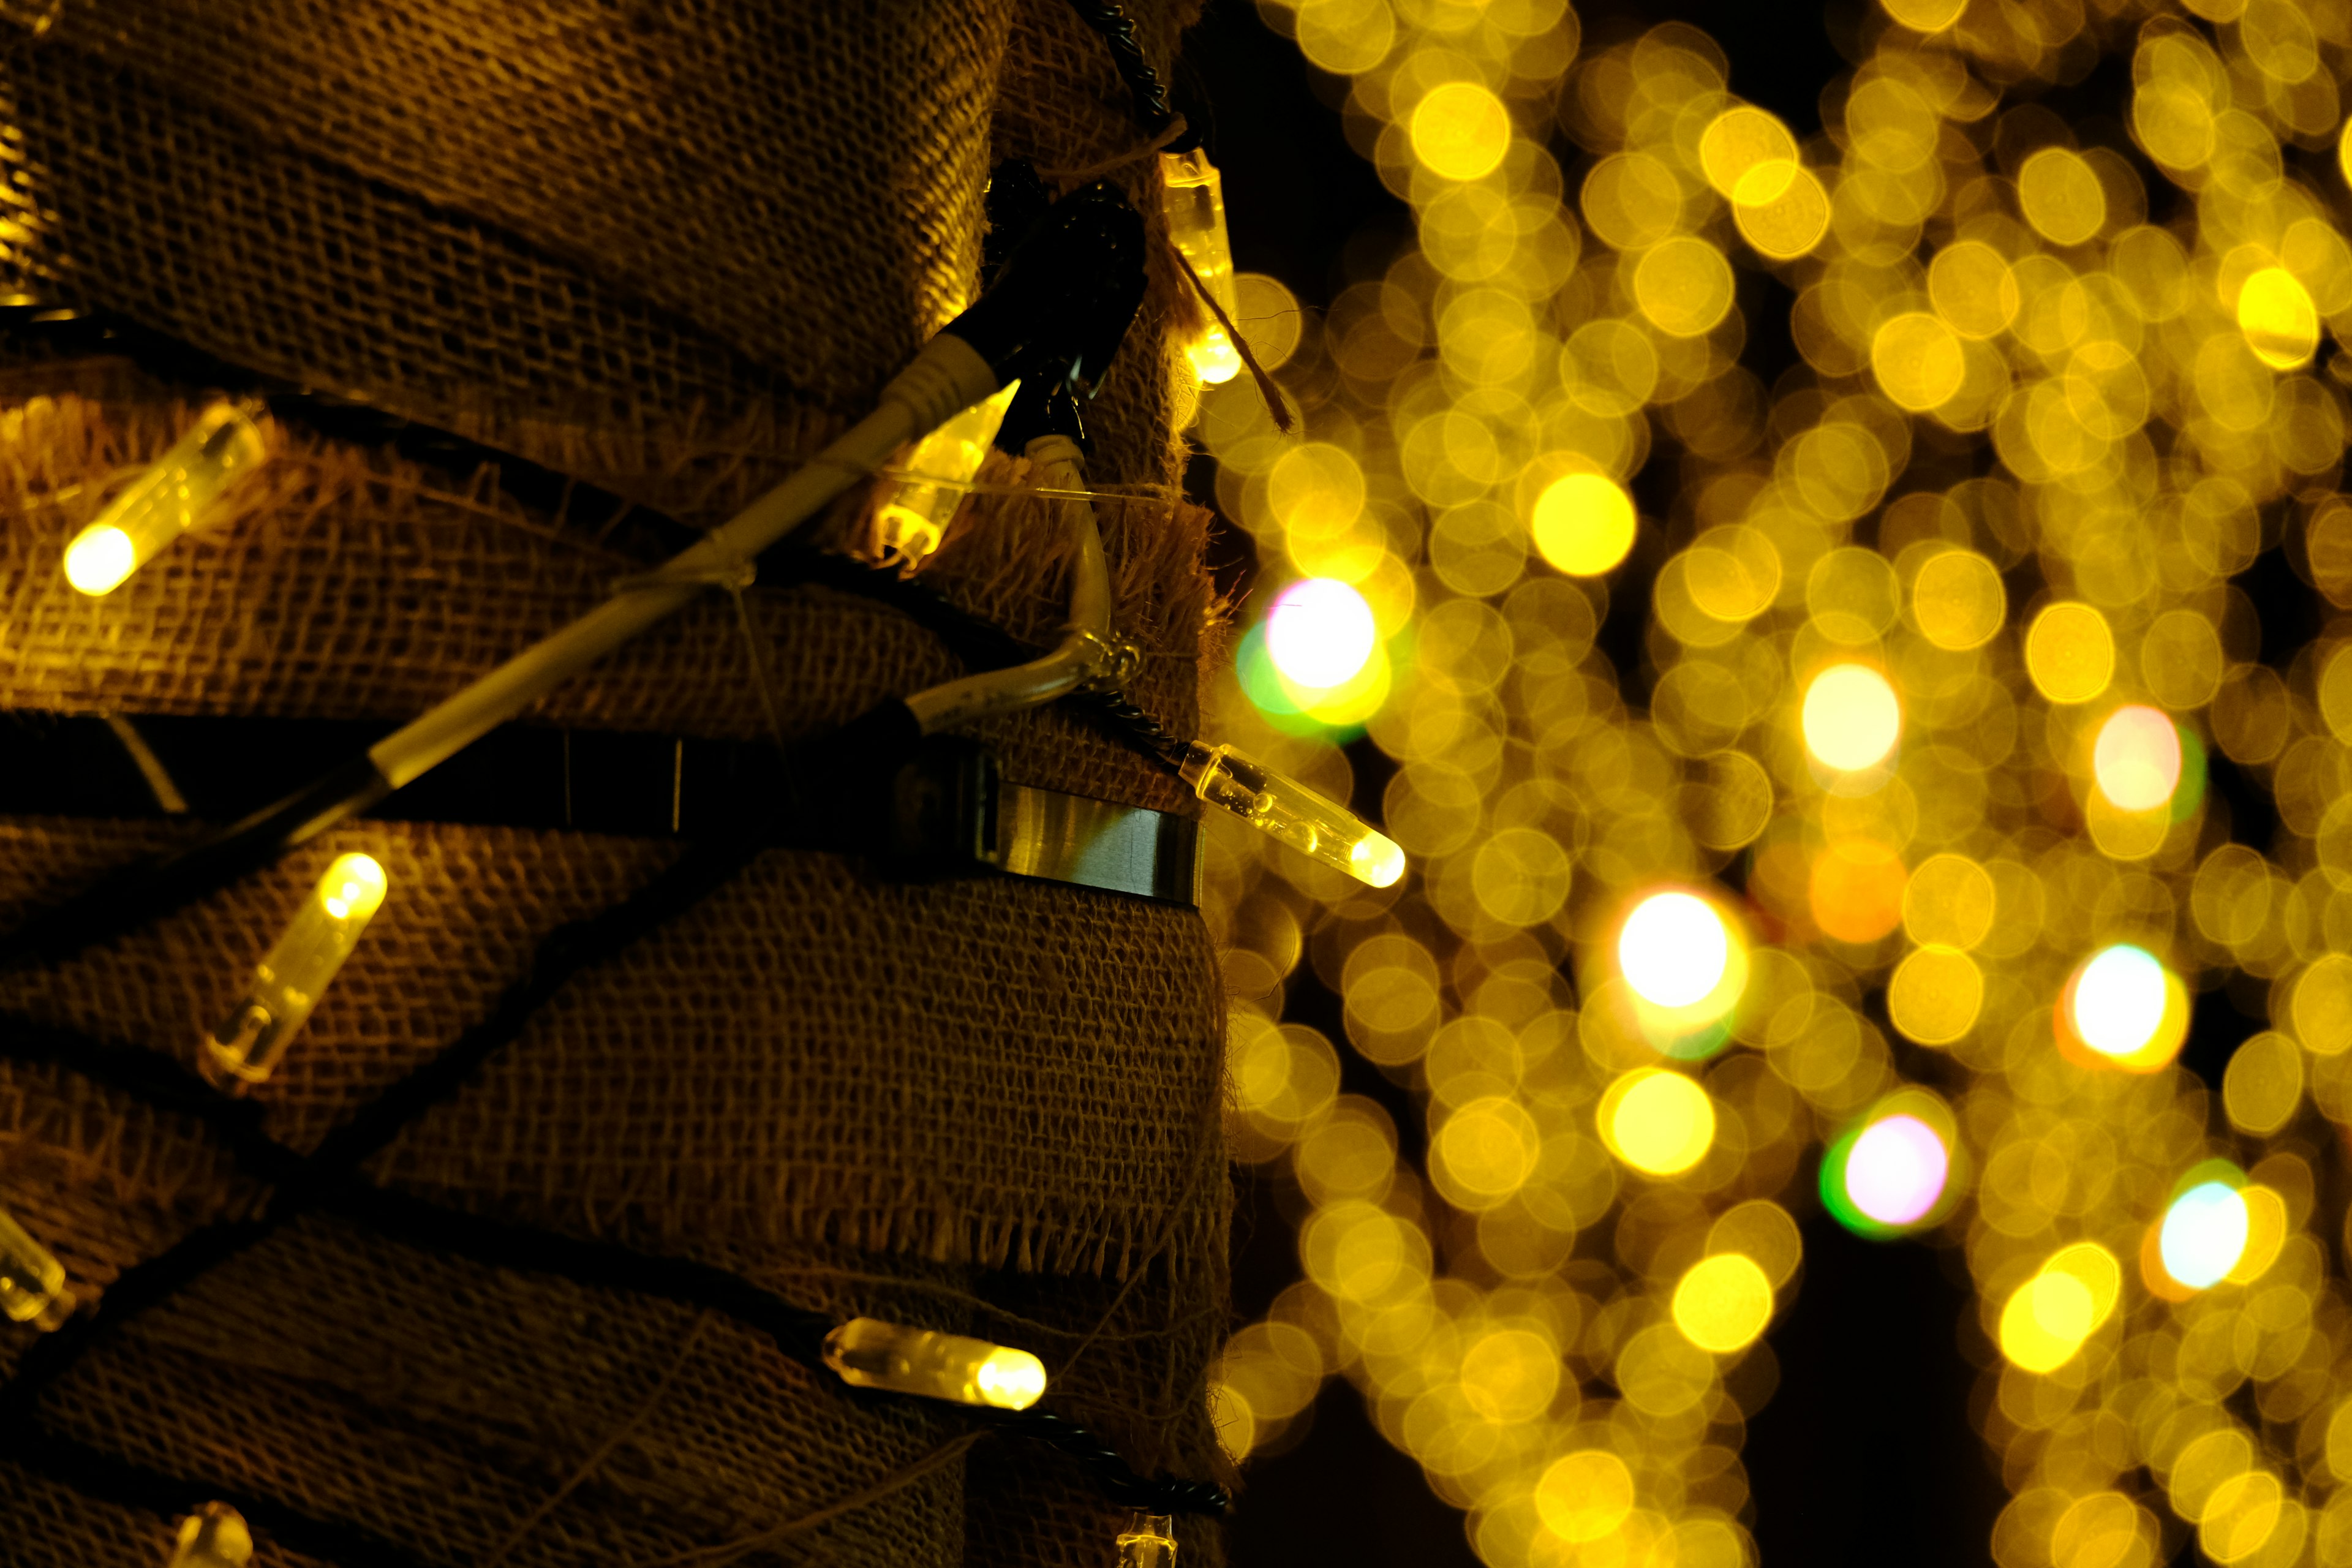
[1063,838]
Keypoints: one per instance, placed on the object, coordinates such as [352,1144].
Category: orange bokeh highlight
[1855,892]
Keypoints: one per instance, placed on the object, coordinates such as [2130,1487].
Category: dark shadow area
[1865,1456]
[1343,1497]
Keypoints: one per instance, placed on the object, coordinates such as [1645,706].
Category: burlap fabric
[666,251]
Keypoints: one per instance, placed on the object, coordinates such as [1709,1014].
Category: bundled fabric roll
[657,258]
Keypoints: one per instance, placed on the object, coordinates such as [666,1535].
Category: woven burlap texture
[668,253]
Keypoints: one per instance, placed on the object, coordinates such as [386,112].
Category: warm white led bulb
[870,1353]
[223,448]
[1194,200]
[215,1536]
[1289,811]
[1148,1542]
[32,1282]
[289,982]
[910,524]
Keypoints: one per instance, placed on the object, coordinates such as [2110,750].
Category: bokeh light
[1583,524]
[2024,502]
[2204,1233]
[1660,1122]
[1723,1303]
[1891,1173]
[2043,1324]
[2136,758]
[2122,1004]
[1852,718]
[1321,632]
[1895,1173]
[1674,950]
[1461,131]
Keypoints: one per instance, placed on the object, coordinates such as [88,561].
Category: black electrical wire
[1150,94]
[562,954]
[86,1470]
[136,895]
[1103,301]
[798,1332]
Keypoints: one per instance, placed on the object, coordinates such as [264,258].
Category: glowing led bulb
[910,524]
[1320,633]
[2204,1233]
[215,1536]
[1674,950]
[1196,204]
[1148,1542]
[291,979]
[223,448]
[1290,812]
[869,1353]
[32,1282]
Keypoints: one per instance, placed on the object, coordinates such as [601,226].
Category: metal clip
[1114,662]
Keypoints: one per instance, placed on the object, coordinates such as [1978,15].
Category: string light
[32,1282]
[910,524]
[869,1353]
[294,975]
[225,448]
[1148,1542]
[1194,199]
[1290,813]
[215,1536]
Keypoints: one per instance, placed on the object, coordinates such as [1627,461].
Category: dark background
[1866,1455]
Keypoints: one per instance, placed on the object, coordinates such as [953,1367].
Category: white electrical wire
[1085,651]
[947,376]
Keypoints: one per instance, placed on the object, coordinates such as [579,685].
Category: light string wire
[326,1179]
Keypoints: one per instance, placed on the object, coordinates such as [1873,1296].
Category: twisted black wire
[322,1179]
[110,1479]
[798,1332]
[304,1184]
[1150,94]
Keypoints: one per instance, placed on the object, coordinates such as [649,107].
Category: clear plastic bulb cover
[289,982]
[32,1282]
[215,1536]
[220,451]
[1289,811]
[1195,204]
[912,522]
[1148,1542]
[869,1353]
